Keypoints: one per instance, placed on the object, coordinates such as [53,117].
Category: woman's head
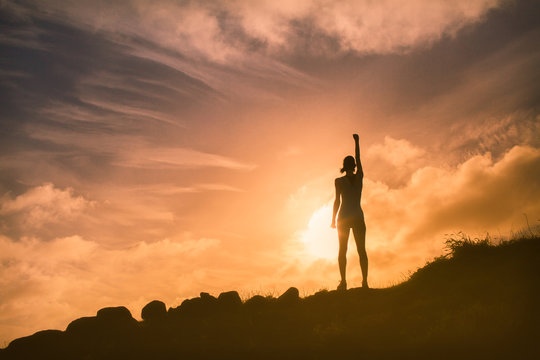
[348,164]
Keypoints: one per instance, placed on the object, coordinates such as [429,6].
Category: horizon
[156,150]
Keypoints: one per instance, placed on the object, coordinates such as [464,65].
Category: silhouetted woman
[350,216]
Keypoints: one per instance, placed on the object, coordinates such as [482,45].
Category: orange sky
[154,150]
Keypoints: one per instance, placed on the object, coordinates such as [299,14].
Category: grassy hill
[480,301]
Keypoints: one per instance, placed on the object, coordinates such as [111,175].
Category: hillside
[480,301]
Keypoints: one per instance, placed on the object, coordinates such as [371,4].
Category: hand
[355,137]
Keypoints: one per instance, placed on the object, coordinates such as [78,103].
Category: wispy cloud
[170,158]
[212,41]
[136,152]
[172,189]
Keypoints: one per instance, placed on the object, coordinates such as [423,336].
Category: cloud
[218,187]
[394,161]
[117,215]
[393,26]
[496,134]
[42,205]
[224,31]
[46,284]
[135,151]
[203,41]
[170,158]
[477,196]
[396,152]
[228,32]
[172,189]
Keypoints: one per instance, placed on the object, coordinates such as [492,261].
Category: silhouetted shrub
[459,243]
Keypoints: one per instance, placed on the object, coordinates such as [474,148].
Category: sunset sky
[157,149]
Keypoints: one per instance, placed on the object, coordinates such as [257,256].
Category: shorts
[350,221]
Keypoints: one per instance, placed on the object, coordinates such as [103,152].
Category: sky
[157,149]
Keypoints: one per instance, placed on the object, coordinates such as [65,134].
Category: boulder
[116,314]
[108,320]
[115,319]
[191,307]
[229,299]
[208,299]
[84,326]
[43,344]
[154,310]
[257,302]
[290,296]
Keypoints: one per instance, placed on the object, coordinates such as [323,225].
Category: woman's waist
[350,205]
[350,211]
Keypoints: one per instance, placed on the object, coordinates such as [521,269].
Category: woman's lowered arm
[337,203]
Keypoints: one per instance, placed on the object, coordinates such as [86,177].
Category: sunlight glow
[319,239]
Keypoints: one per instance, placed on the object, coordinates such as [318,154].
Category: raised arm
[337,202]
[359,170]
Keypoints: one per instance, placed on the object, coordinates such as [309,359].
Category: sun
[319,239]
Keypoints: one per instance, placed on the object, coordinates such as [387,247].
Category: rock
[209,303]
[206,305]
[115,314]
[43,344]
[111,320]
[115,320]
[173,312]
[154,310]
[229,299]
[83,326]
[257,302]
[191,306]
[208,299]
[290,296]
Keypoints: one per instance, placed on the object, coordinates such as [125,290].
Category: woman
[351,216]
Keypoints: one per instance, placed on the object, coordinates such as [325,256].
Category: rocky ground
[479,301]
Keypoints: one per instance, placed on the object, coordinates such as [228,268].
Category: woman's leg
[343,235]
[359,231]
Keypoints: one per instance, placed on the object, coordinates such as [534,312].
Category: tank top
[350,198]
